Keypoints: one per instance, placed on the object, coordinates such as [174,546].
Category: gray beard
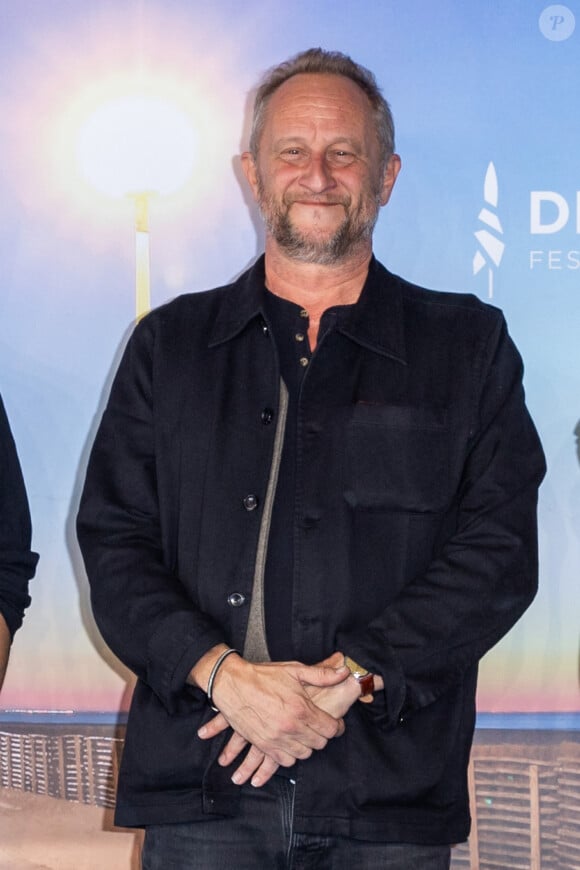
[324,252]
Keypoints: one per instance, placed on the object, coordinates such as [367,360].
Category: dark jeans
[261,837]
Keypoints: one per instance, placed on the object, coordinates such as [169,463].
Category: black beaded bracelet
[213,675]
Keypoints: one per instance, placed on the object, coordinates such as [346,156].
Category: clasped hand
[283,710]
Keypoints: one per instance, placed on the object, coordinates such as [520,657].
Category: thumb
[333,661]
[323,675]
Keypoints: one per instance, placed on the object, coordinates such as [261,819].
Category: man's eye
[341,156]
[291,152]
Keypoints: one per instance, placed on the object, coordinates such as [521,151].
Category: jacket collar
[376,320]
[242,301]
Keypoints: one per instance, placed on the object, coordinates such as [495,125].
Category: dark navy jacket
[415,540]
[17,561]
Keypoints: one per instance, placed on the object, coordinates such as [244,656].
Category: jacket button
[267,416]
[251,502]
[236,599]
[264,327]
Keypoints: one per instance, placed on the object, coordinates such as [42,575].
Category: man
[17,562]
[313,488]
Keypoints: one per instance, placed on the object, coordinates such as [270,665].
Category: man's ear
[392,170]
[251,172]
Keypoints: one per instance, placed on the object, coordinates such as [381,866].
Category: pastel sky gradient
[468,83]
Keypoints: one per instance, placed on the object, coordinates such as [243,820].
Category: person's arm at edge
[17,560]
[5,642]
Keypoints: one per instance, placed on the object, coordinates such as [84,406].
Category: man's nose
[317,175]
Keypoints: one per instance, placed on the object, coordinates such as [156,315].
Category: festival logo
[490,245]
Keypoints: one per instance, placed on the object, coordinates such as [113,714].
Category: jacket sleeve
[483,574]
[141,608]
[17,561]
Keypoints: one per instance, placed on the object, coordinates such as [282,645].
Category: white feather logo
[491,247]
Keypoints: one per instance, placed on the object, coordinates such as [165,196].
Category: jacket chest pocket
[398,459]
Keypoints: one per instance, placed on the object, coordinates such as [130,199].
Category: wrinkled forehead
[325,99]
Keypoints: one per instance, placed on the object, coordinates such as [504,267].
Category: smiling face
[318,177]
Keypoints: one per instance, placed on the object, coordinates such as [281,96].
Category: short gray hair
[317,60]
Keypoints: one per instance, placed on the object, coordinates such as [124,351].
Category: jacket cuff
[174,648]
[387,707]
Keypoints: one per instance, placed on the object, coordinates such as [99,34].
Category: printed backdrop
[485,98]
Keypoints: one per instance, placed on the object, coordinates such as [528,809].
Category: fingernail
[256,782]
[236,778]
[202,731]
